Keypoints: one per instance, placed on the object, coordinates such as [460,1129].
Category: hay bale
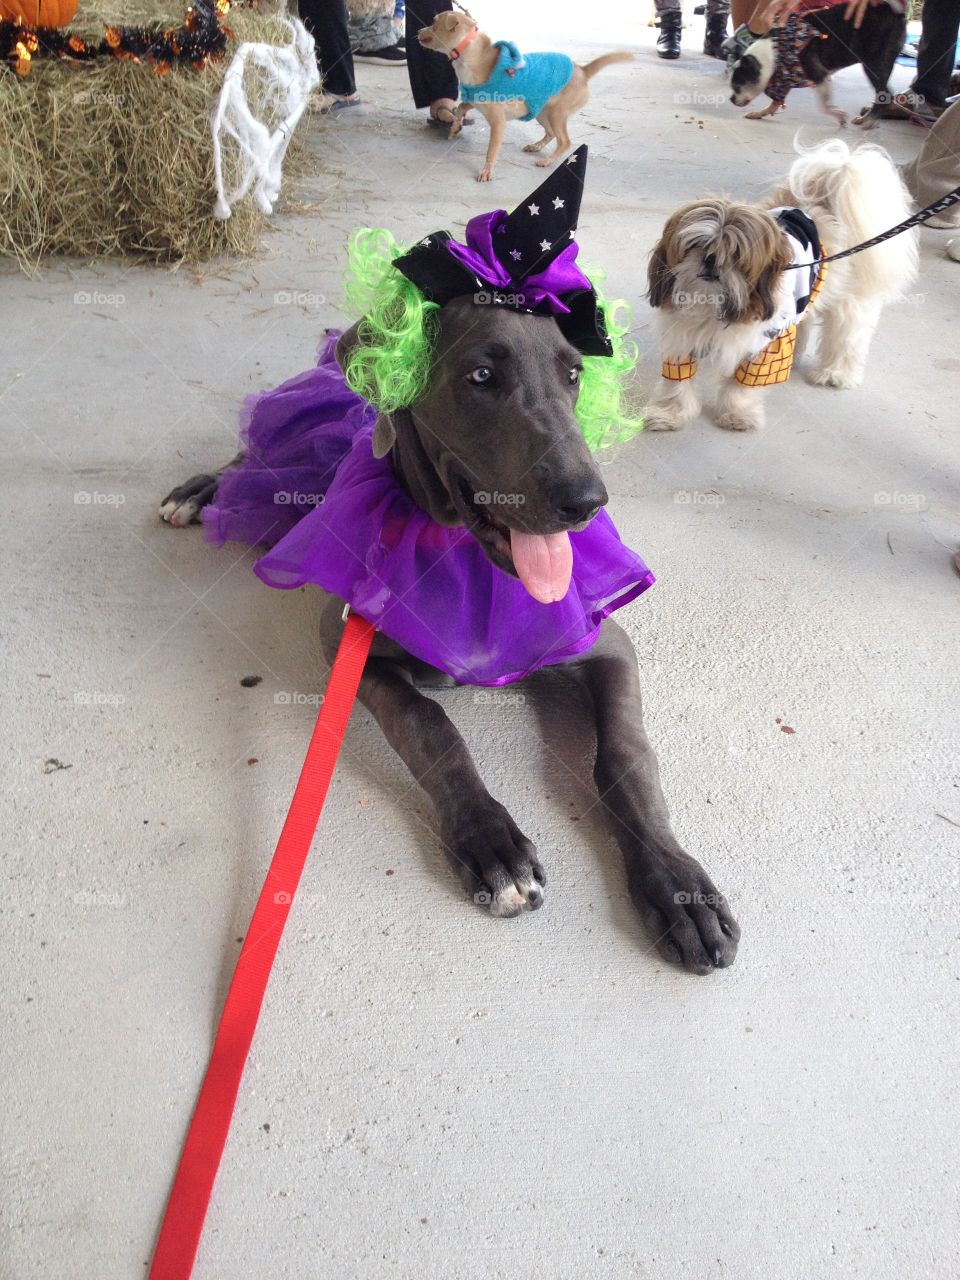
[105,158]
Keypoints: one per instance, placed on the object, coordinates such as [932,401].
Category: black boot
[715,35]
[668,41]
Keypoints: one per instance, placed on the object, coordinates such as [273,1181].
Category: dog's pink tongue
[544,563]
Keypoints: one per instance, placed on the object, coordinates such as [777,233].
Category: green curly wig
[390,366]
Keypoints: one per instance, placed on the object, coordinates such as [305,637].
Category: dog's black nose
[575,503]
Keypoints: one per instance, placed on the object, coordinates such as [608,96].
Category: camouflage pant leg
[718,8]
[367,34]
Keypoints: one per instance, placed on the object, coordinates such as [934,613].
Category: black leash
[938,206]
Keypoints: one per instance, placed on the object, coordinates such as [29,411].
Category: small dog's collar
[464,43]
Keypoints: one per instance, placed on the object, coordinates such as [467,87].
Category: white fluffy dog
[724,295]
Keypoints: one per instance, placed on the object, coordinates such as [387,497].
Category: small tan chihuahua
[504,84]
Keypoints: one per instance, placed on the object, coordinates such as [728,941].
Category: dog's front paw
[841,379]
[739,419]
[689,919]
[498,865]
[485,174]
[657,419]
[182,505]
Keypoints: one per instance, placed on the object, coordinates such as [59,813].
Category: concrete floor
[433,1093]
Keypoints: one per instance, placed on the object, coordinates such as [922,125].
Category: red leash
[193,1184]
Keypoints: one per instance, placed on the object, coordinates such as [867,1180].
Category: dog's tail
[590,69]
[863,192]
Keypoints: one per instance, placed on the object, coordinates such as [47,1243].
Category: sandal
[909,106]
[325,104]
[434,118]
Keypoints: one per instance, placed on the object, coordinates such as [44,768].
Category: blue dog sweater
[534,78]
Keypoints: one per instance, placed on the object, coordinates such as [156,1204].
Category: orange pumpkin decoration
[38,13]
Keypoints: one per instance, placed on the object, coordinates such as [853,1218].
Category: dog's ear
[762,302]
[346,343]
[384,435]
[762,305]
[659,276]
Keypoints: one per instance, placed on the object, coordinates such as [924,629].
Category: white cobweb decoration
[287,75]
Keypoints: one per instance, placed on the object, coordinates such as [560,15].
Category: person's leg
[370,32]
[741,11]
[433,80]
[718,11]
[671,24]
[372,37]
[936,168]
[326,20]
[937,50]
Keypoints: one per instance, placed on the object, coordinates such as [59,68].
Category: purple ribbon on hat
[561,276]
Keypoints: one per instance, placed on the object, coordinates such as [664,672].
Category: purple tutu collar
[335,516]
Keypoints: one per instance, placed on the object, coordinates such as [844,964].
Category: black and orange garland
[202,39]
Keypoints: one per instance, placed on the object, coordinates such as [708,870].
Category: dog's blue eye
[575,376]
[480,377]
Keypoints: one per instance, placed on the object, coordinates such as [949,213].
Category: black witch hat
[525,260]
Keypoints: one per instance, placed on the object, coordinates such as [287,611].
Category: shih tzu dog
[739,286]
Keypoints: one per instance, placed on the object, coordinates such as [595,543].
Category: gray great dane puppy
[515,432]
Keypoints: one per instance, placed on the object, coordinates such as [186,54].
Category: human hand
[766,17]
